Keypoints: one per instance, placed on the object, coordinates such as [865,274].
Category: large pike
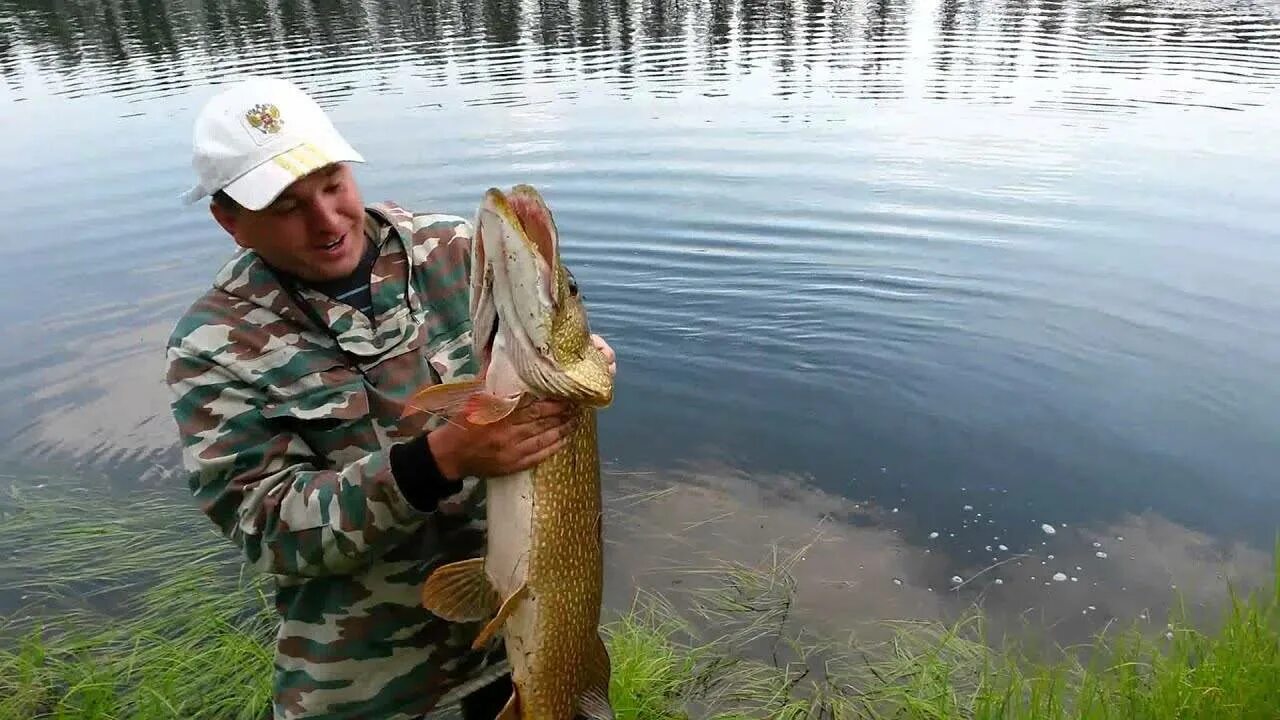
[540,581]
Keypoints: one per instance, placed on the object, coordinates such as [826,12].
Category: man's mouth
[333,246]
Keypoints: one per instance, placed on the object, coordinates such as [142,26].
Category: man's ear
[228,219]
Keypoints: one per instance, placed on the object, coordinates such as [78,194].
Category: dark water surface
[870,261]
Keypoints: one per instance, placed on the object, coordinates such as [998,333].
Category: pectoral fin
[483,408]
[460,592]
[594,701]
[443,399]
[508,606]
[466,399]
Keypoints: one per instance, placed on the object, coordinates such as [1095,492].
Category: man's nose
[325,217]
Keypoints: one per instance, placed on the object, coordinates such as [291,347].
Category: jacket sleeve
[268,491]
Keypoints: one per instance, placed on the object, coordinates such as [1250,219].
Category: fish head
[530,301]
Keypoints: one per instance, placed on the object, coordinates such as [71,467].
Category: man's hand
[608,353]
[519,441]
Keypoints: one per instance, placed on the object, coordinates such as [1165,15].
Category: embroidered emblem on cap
[265,118]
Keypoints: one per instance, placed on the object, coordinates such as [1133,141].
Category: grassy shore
[132,608]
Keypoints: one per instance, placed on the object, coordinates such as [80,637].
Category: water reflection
[979,50]
[854,563]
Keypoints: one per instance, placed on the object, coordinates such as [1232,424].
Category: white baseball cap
[255,138]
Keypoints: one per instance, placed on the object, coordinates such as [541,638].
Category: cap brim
[195,193]
[260,186]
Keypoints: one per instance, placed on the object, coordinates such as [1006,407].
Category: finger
[531,412]
[543,439]
[540,455]
[604,348]
[535,428]
[549,408]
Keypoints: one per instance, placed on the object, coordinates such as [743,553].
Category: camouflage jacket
[286,436]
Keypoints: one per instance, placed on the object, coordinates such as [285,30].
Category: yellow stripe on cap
[302,160]
[290,164]
[315,157]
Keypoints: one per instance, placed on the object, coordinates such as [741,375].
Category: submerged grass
[135,609]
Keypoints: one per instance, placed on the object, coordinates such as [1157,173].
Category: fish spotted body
[540,582]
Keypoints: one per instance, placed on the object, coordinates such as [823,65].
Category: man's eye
[334,187]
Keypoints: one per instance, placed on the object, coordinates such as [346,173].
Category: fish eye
[573,283]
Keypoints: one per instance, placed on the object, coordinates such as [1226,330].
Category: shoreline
[129,641]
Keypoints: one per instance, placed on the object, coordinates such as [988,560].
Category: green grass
[133,608]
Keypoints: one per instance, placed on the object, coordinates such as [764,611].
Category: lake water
[874,270]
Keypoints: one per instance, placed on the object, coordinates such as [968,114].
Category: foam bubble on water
[1050,557]
[1075,579]
[933,536]
[1101,554]
[1059,577]
[1119,538]
[988,548]
[967,508]
[895,509]
[1003,548]
[897,581]
[998,581]
[1097,544]
[1048,529]
[1092,607]
[956,579]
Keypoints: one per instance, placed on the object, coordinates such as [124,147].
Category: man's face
[314,230]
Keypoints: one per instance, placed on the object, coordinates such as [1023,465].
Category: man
[289,380]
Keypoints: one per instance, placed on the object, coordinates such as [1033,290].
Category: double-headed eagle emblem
[265,118]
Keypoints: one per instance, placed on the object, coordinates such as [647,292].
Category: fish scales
[565,565]
[541,580]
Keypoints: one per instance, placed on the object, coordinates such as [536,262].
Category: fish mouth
[517,255]
[520,309]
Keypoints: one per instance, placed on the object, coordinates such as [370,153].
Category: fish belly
[510,514]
